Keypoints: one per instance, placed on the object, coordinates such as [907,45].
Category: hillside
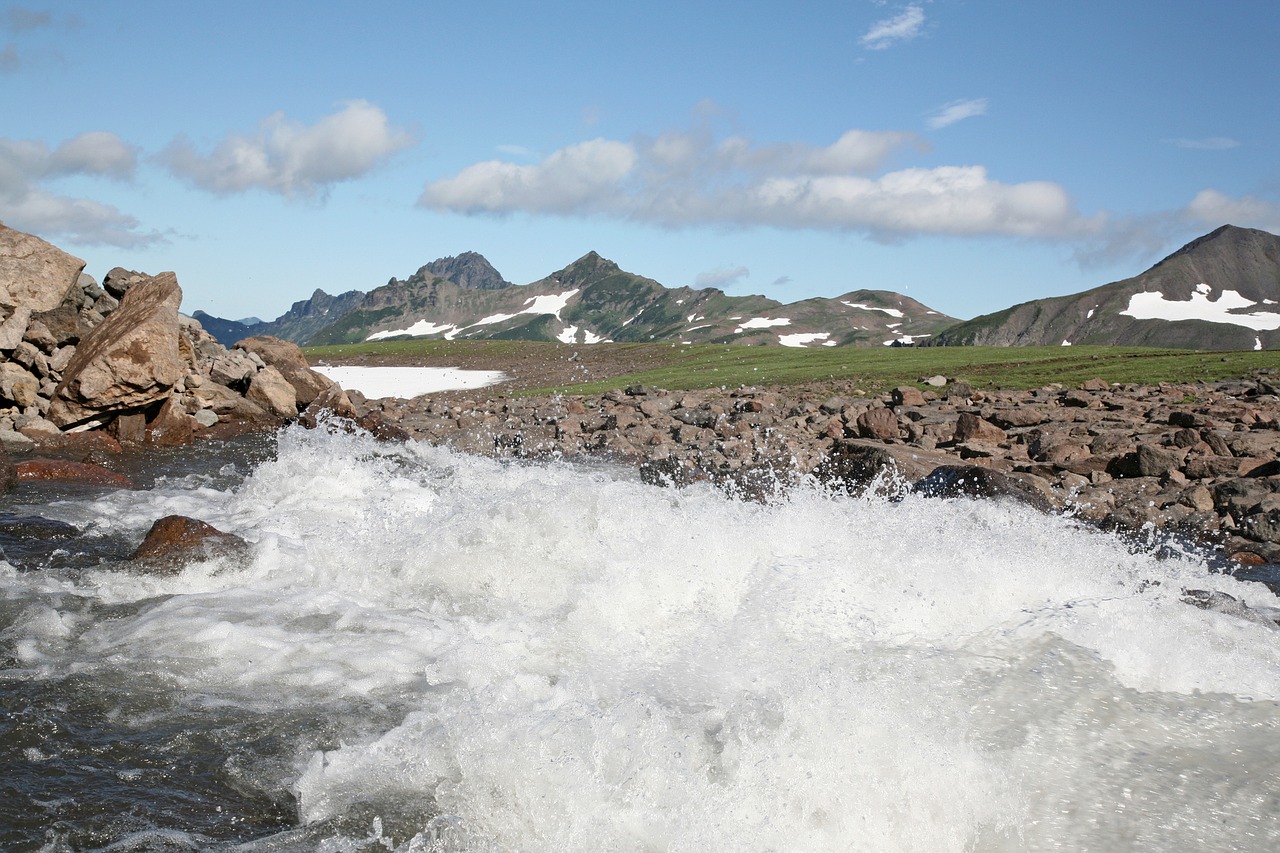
[1219,292]
[593,300]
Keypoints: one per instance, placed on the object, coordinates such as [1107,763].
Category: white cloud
[29,204]
[949,114]
[570,180]
[1208,143]
[692,179]
[1213,208]
[290,158]
[899,28]
[722,277]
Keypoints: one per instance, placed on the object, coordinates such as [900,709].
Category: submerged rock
[176,539]
[71,472]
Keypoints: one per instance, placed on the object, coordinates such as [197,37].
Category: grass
[692,367]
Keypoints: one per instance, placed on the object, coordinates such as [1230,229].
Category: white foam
[1152,305]
[627,667]
[407,382]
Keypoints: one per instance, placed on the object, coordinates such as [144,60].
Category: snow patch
[762,323]
[892,312]
[418,329]
[1257,343]
[1066,343]
[1089,314]
[1152,305]
[407,382]
[803,339]
[905,339]
[548,303]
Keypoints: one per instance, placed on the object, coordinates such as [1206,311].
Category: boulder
[271,391]
[34,274]
[878,423]
[286,357]
[175,539]
[971,428]
[63,470]
[127,362]
[950,481]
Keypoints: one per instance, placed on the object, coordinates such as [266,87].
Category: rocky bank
[1199,460]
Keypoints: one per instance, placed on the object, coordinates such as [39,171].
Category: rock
[14,328]
[172,426]
[206,417]
[1146,461]
[8,473]
[176,539]
[949,481]
[63,470]
[333,402]
[34,275]
[127,362]
[907,395]
[1095,385]
[878,423]
[234,369]
[854,467]
[971,428]
[17,385]
[119,280]
[935,381]
[270,390]
[287,357]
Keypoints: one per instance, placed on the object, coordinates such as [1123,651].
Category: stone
[63,470]
[233,369]
[172,426]
[1023,416]
[176,539]
[286,357]
[878,423]
[34,275]
[206,417]
[935,381]
[14,328]
[119,280]
[949,481]
[908,395]
[270,390]
[8,473]
[1095,385]
[17,385]
[127,362]
[333,402]
[971,428]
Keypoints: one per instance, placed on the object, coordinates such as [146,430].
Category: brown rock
[8,473]
[34,274]
[270,390]
[74,472]
[333,402]
[1095,385]
[908,395]
[286,357]
[176,538]
[878,423]
[971,428]
[947,481]
[128,361]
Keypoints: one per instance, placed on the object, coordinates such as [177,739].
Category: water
[426,651]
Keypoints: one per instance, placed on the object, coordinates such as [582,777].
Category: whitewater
[429,651]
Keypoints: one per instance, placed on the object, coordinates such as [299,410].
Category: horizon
[781,153]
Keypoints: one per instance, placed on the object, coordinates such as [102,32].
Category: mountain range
[1219,292]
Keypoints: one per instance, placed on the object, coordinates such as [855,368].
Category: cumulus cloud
[891,31]
[287,157]
[949,114]
[28,203]
[1213,208]
[1150,237]
[1208,143]
[721,277]
[692,178]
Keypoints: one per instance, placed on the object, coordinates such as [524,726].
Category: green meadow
[690,367]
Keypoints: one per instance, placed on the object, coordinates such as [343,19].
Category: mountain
[469,270]
[1218,292]
[227,332]
[594,300]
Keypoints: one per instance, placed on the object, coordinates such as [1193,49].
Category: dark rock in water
[1220,602]
[952,481]
[73,472]
[854,467]
[177,538]
[8,473]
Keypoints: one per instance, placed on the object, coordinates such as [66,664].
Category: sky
[970,154]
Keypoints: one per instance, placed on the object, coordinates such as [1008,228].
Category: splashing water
[428,651]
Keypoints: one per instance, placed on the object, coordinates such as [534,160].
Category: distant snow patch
[1151,305]
[407,382]
[892,312]
[1089,314]
[1257,343]
[802,339]
[548,303]
[762,323]
[905,339]
[418,329]
[1066,343]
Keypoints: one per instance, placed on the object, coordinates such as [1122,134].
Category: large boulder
[128,361]
[286,357]
[34,274]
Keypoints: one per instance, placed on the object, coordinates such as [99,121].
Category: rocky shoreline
[1198,460]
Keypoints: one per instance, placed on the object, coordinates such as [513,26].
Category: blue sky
[968,153]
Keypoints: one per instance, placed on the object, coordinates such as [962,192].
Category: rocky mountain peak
[470,270]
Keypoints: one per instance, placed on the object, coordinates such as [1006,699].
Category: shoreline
[1198,460]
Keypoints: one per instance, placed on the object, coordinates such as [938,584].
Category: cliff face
[1219,292]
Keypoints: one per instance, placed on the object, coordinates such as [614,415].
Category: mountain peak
[470,270]
[1225,238]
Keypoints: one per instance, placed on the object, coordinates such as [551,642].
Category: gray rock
[34,274]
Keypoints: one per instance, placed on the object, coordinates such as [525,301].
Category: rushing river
[425,651]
